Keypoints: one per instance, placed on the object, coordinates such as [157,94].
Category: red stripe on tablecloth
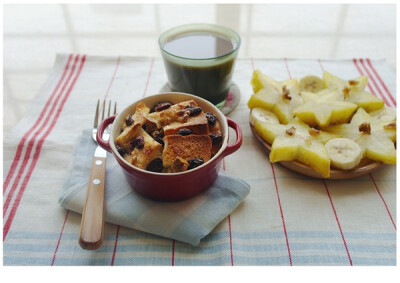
[20,147]
[362,73]
[100,110]
[144,94]
[282,217]
[229,220]
[287,68]
[384,202]
[110,84]
[320,64]
[333,207]
[338,222]
[230,238]
[371,79]
[115,245]
[381,81]
[148,77]
[37,152]
[376,186]
[32,141]
[104,99]
[173,253]
[59,238]
[276,186]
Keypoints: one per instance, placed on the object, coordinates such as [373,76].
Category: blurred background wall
[33,34]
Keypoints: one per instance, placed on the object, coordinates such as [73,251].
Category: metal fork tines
[100,152]
[92,226]
[97,116]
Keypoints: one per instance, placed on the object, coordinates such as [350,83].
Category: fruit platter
[325,127]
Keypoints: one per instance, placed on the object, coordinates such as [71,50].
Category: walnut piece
[346,92]
[365,128]
[313,132]
[291,131]
[285,93]
[390,126]
[179,165]
[183,116]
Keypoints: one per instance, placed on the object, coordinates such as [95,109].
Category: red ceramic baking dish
[171,186]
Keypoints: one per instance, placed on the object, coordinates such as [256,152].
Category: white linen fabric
[286,219]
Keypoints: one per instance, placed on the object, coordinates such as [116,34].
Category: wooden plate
[366,165]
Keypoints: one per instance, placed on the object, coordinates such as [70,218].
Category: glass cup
[199,59]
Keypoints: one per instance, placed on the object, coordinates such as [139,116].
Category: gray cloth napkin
[187,221]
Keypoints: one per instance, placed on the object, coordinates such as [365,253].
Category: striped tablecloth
[287,219]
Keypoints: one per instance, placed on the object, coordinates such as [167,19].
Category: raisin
[216,138]
[156,165]
[158,137]
[212,120]
[144,127]
[159,140]
[194,110]
[120,149]
[128,120]
[137,143]
[195,162]
[184,132]
[162,106]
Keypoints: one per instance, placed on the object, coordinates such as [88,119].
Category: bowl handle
[231,148]
[100,130]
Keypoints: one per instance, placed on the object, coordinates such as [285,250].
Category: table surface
[287,219]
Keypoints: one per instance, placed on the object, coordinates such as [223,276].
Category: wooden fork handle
[92,226]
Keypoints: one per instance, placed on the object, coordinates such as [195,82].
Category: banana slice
[262,115]
[344,153]
[311,83]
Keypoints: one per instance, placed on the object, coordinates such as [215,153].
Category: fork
[91,233]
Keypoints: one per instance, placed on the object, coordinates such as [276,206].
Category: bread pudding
[169,138]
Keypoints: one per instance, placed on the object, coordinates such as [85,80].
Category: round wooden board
[366,166]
